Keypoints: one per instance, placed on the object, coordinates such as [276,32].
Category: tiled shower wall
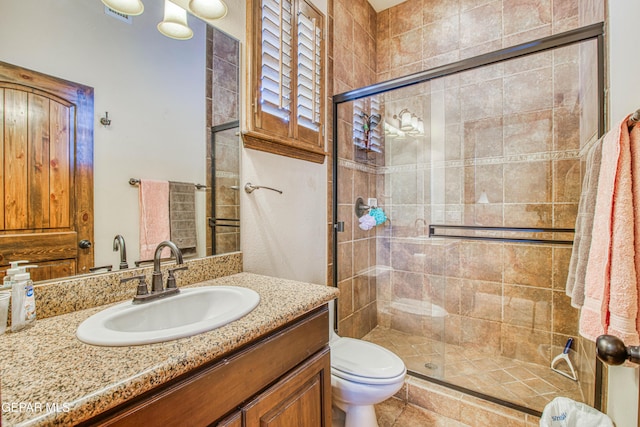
[352,64]
[223,87]
[504,298]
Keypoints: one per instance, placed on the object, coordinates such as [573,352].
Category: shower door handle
[339,226]
[612,351]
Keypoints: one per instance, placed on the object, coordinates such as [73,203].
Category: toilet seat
[364,362]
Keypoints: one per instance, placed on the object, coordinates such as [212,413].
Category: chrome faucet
[118,244]
[157,288]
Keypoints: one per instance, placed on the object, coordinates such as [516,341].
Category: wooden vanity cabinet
[299,399]
[282,379]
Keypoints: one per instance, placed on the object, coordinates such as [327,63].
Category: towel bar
[432,233]
[136,181]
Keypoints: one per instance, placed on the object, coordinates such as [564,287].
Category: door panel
[46,145]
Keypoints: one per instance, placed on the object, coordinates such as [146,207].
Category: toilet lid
[351,357]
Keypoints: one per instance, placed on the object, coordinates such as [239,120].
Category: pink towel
[154,215]
[611,285]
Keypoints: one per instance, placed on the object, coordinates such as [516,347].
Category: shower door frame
[583,34]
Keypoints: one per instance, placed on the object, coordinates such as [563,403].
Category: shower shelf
[433,227]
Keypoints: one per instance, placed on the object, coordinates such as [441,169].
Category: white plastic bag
[565,412]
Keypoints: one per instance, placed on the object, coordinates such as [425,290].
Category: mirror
[158,93]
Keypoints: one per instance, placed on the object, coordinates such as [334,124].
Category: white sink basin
[188,313]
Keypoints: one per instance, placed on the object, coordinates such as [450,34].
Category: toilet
[362,375]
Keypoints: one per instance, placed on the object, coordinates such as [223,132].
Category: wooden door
[46,172]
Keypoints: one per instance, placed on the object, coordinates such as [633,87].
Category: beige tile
[528,215]
[564,215]
[440,37]
[526,344]
[481,24]
[527,182]
[528,265]
[405,17]
[528,91]
[566,133]
[481,300]
[406,48]
[481,261]
[528,132]
[487,178]
[483,138]
[482,100]
[389,411]
[567,182]
[522,15]
[565,317]
[528,307]
[440,403]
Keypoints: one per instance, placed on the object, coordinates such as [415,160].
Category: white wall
[624,98]
[153,88]
[285,235]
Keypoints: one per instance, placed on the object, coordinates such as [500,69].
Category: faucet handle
[171,280]
[142,284]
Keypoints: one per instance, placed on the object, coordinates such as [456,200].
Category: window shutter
[309,62]
[287,79]
[277,52]
[309,92]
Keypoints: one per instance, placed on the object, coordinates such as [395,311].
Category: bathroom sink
[192,311]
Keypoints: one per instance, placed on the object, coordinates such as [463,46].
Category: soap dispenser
[14,268]
[23,302]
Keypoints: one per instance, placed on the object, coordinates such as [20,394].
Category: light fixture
[408,124]
[208,9]
[126,7]
[405,120]
[174,24]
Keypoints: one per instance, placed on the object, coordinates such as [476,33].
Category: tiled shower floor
[522,383]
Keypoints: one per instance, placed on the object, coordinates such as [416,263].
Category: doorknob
[84,244]
[612,351]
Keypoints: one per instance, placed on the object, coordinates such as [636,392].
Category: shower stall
[478,167]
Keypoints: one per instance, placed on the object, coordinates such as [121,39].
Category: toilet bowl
[362,375]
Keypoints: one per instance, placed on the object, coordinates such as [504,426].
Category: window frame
[266,132]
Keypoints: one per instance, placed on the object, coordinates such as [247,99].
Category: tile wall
[352,64]
[223,87]
[514,131]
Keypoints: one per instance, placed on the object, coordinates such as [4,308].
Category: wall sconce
[405,119]
[208,9]
[409,124]
[174,24]
[126,7]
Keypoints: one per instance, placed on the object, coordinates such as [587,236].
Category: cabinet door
[302,398]
[233,420]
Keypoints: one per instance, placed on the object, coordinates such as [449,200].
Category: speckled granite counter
[48,365]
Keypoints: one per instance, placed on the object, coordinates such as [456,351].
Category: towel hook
[250,188]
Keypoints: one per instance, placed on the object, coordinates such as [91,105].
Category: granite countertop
[47,368]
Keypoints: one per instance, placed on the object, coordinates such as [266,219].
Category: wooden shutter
[286,54]
[276,72]
[309,74]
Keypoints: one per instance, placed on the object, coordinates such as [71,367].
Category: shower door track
[586,33]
